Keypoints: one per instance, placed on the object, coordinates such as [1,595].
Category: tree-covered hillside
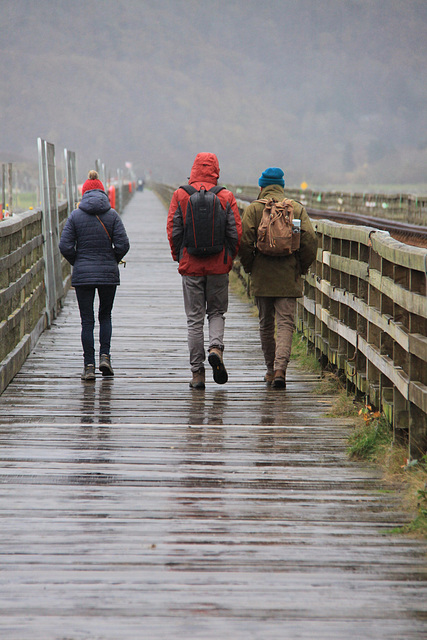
[332,90]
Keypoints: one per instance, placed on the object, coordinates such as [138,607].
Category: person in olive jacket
[276,280]
[94,241]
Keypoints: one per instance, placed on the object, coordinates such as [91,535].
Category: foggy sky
[333,91]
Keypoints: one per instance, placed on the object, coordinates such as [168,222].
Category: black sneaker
[88,372]
[220,374]
[105,365]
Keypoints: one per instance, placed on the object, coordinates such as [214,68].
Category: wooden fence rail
[23,311]
[364,310]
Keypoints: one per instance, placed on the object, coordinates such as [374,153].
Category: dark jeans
[85,297]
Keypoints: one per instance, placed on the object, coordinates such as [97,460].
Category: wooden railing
[23,312]
[364,311]
[22,289]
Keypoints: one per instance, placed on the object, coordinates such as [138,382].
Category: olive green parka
[277,277]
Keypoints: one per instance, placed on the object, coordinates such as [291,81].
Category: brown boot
[268,378]
[220,374]
[198,381]
[279,380]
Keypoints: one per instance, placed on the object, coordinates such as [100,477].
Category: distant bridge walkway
[135,507]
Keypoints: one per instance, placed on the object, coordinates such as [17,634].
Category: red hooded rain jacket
[205,172]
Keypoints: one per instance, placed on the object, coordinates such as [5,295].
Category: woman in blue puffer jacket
[94,240]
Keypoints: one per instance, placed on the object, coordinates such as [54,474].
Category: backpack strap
[216,189]
[189,189]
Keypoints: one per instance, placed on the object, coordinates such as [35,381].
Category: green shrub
[369,440]
[304,356]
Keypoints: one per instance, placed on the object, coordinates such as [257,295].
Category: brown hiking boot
[198,381]
[220,374]
[269,377]
[279,379]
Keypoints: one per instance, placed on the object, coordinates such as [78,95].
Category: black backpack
[204,232]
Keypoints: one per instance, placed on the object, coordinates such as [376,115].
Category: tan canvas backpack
[276,234]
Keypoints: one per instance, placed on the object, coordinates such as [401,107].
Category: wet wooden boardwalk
[135,508]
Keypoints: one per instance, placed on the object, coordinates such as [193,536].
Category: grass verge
[303,355]
[415,497]
[372,440]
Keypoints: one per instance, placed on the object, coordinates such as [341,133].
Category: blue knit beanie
[272,175]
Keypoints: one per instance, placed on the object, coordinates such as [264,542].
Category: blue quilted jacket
[86,245]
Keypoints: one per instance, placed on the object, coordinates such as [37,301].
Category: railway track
[412,234]
[409,233]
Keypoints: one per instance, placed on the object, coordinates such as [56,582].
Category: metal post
[3,190]
[10,187]
[72,194]
[98,167]
[50,228]
[119,190]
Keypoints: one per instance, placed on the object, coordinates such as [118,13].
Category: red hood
[205,168]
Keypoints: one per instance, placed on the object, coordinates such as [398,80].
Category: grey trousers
[204,296]
[280,313]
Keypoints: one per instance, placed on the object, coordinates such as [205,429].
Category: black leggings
[85,297]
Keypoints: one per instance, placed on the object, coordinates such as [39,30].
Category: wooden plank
[13,258]
[399,253]
[408,342]
[413,302]
[418,345]
[16,317]
[418,395]
[18,285]
[347,265]
[350,232]
[385,364]
[18,221]
[135,507]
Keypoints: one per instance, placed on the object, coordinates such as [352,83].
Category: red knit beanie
[93,182]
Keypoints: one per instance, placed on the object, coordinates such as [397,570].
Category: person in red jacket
[204,278]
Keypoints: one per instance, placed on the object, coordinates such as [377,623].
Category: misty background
[332,91]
